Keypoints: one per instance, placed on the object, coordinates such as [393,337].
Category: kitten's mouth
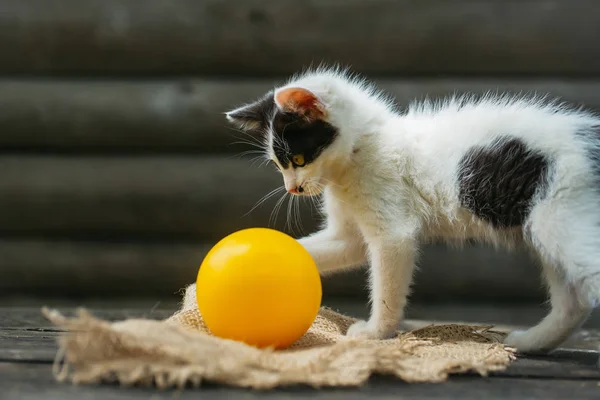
[308,188]
[306,191]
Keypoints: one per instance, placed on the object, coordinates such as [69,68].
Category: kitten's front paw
[525,342]
[368,330]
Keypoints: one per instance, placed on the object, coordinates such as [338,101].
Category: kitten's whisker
[312,201]
[292,215]
[247,143]
[250,141]
[288,215]
[263,199]
[322,186]
[248,135]
[315,202]
[259,152]
[316,184]
[246,140]
[279,142]
[298,217]
[276,209]
[247,153]
[286,197]
[263,160]
[277,146]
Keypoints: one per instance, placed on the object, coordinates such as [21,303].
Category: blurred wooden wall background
[118,171]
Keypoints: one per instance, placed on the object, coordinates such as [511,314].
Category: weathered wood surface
[35,381]
[274,36]
[179,206]
[64,268]
[562,364]
[28,345]
[166,116]
[28,348]
[160,268]
[22,326]
[25,314]
[193,197]
[186,115]
[27,335]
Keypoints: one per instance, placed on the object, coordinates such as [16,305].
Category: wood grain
[159,269]
[141,225]
[110,116]
[185,115]
[28,345]
[191,197]
[278,37]
[30,381]
[41,346]
[562,364]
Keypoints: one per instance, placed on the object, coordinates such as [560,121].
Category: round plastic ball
[259,286]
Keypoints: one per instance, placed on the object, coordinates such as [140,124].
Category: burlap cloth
[180,352]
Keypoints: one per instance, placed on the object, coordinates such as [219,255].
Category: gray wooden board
[28,321]
[15,317]
[159,269]
[162,212]
[65,268]
[25,335]
[34,381]
[111,115]
[560,364]
[275,36]
[28,345]
[186,114]
[199,197]
[41,347]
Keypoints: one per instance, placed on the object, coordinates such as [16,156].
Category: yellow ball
[259,286]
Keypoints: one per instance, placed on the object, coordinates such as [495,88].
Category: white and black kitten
[507,171]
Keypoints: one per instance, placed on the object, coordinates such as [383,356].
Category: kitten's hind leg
[565,231]
[567,314]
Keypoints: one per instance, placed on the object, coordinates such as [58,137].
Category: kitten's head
[308,127]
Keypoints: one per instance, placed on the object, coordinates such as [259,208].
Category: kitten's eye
[298,160]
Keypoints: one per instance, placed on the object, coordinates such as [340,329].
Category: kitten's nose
[296,190]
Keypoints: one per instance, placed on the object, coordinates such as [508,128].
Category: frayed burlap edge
[177,352]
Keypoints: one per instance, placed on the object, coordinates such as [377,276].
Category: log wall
[185,115]
[118,170]
[276,37]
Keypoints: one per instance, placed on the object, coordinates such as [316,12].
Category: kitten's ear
[253,116]
[300,101]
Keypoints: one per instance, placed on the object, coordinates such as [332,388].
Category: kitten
[507,171]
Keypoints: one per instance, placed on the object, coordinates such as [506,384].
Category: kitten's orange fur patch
[300,101]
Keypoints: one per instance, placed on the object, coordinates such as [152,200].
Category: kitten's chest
[367,203]
[383,201]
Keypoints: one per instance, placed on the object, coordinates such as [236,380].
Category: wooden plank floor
[27,350]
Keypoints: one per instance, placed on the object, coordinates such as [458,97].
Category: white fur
[389,183]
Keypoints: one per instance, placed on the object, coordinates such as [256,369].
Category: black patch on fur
[261,111]
[294,134]
[497,183]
